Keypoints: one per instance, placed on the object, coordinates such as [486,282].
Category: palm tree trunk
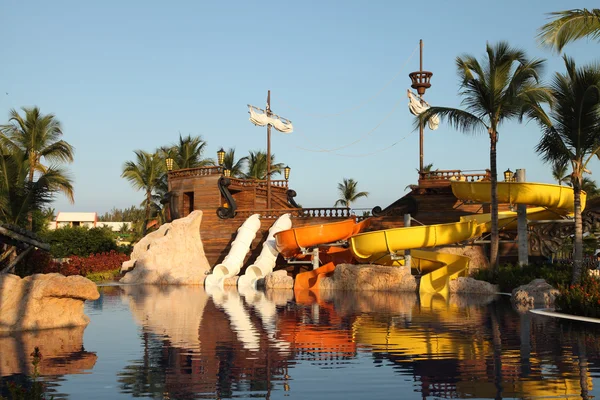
[147,219]
[494,242]
[578,243]
[31,172]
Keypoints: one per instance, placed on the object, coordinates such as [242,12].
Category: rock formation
[470,285]
[172,255]
[372,278]
[536,294]
[44,301]
[278,280]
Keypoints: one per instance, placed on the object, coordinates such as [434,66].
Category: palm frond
[568,26]
[456,118]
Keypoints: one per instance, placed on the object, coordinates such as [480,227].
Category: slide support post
[407,257]
[522,235]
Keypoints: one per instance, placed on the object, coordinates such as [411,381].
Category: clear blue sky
[127,75]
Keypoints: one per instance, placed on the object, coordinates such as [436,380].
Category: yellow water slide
[553,202]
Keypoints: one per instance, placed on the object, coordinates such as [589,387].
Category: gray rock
[536,294]
[279,280]
[470,285]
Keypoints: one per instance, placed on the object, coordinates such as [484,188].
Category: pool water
[187,343]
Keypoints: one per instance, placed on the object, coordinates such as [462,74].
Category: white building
[85,219]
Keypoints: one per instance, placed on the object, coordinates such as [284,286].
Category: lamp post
[508,175]
[227,172]
[286,173]
[169,162]
[221,156]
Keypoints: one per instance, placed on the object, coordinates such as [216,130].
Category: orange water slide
[291,242]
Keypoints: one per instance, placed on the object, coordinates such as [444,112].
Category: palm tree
[348,193]
[145,173]
[590,187]
[257,165]
[569,26]
[18,196]
[187,153]
[559,173]
[38,136]
[504,86]
[571,134]
[236,167]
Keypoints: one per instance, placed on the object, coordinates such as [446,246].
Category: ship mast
[420,81]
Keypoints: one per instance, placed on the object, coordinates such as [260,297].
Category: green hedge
[511,276]
[79,241]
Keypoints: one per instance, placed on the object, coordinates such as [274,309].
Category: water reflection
[254,344]
[62,352]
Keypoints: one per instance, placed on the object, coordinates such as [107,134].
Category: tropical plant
[79,241]
[569,26]
[145,174]
[19,197]
[130,214]
[571,135]
[187,153]
[256,167]
[559,173]
[235,166]
[348,193]
[505,85]
[38,136]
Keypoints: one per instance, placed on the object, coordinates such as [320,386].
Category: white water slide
[233,262]
[265,262]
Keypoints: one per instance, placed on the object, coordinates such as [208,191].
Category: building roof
[76,217]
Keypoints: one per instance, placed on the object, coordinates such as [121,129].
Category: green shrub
[79,241]
[583,299]
[511,276]
[104,275]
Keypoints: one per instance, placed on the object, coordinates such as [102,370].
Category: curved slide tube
[265,262]
[554,197]
[310,279]
[438,280]
[233,261]
[291,242]
[371,246]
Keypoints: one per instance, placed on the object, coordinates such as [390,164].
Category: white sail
[258,117]
[417,105]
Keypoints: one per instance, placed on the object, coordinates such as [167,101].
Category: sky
[128,75]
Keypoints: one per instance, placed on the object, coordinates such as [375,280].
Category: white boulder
[172,255]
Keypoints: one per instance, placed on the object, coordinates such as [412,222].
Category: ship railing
[192,172]
[259,183]
[444,176]
[218,170]
[330,212]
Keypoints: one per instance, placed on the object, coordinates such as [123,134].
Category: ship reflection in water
[219,343]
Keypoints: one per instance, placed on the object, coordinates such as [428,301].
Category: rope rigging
[354,142]
[360,105]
